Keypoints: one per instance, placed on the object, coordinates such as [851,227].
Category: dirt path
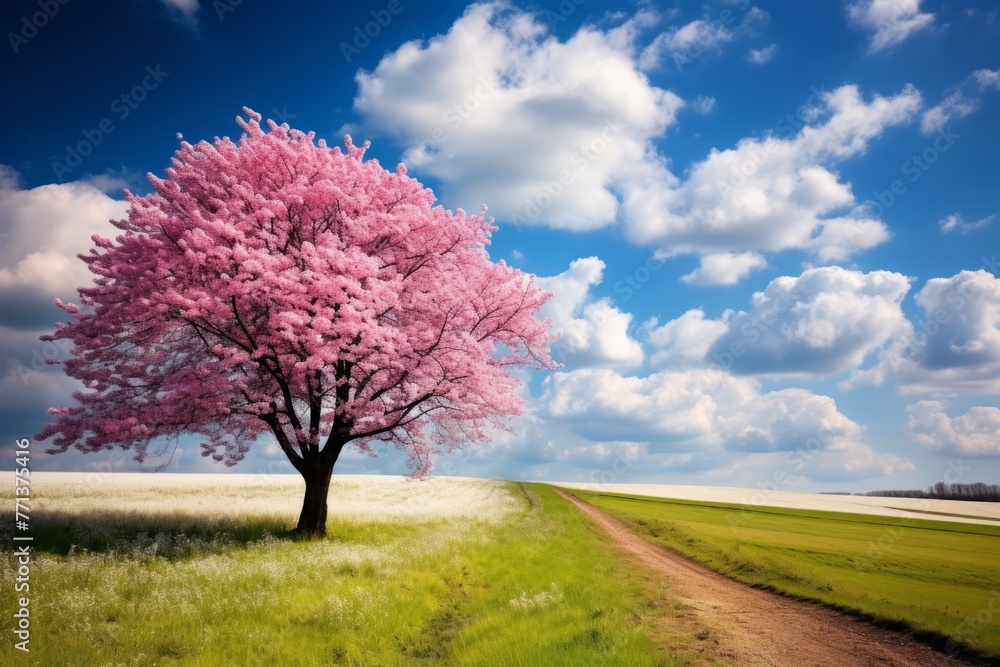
[751,627]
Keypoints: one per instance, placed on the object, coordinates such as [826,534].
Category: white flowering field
[134,569]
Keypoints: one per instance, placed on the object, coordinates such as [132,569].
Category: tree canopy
[277,285]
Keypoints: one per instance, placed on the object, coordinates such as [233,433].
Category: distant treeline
[979,492]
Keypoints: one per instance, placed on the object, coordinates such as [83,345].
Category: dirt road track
[751,627]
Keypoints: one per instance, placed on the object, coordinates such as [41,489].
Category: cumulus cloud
[562,133]
[955,222]
[825,321]
[43,229]
[891,21]
[684,342]
[702,411]
[974,434]
[594,332]
[953,347]
[501,112]
[761,56]
[688,409]
[772,193]
[534,447]
[724,268]
[962,101]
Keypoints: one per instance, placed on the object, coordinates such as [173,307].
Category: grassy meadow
[201,570]
[938,579]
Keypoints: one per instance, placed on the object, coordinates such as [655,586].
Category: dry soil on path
[749,627]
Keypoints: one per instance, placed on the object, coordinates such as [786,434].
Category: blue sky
[771,229]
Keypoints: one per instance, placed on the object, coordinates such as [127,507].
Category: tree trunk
[312,520]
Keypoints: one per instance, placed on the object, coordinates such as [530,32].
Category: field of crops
[939,579]
[962,511]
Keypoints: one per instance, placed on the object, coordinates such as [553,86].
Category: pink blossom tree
[277,286]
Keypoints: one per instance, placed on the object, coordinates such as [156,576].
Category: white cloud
[499,111]
[694,40]
[955,222]
[705,412]
[987,78]
[679,41]
[974,434]
[562,133]
[825,321]
[842,236]
[891,21]
[724,268]
[953,347]
[686,410]
[956,105]
[703,104]
[761,56]
[771,193]
[594,332]
[533,447]
[961,102]
[684,342]
[46,227]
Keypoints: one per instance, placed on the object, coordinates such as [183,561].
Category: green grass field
[538,587]
[940,580]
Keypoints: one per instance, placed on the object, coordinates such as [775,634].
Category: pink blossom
[277,286]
